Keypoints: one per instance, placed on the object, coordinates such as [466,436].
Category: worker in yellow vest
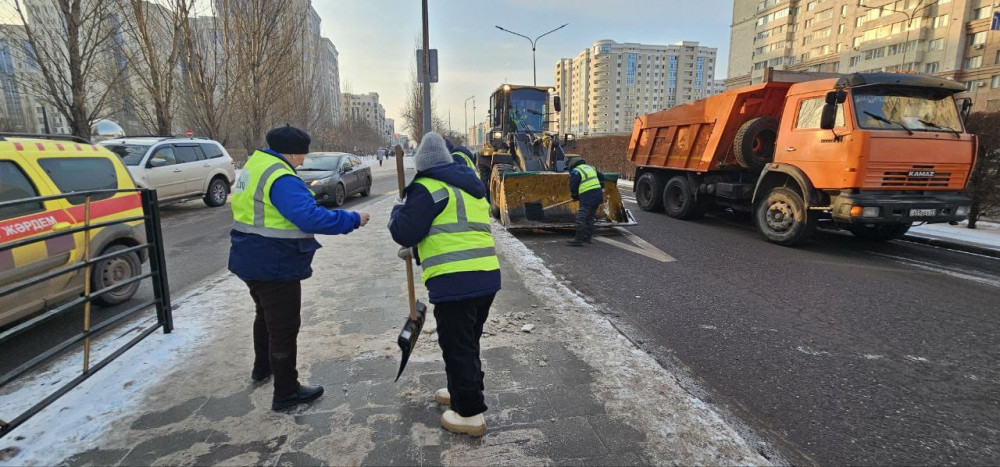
[445,216]
[274,219]
[585,187]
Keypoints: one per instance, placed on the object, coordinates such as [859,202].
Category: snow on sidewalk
[572,390]
[986,234]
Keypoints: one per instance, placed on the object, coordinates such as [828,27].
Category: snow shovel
[407,339]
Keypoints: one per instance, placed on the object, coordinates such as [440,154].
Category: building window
[978,38]
[940,21]
[936,44]
[931,67]
[995,82]
[811,5]
[973,62]
[843,11]
[840,29]
[982,13]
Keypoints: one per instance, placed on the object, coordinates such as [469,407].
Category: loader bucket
[541,200]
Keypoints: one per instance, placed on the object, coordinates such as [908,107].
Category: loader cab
[518,109]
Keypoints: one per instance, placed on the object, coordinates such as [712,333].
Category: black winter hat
[288,140]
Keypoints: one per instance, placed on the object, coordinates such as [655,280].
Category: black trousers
[275,331]
[585,218]
[459,327]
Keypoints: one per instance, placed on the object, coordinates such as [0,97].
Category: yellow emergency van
[33,167]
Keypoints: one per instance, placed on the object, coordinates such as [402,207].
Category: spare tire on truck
[754,143]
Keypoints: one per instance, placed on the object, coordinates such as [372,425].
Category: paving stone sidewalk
[571,391]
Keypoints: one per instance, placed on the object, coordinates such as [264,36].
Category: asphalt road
[838,352]
[196,246]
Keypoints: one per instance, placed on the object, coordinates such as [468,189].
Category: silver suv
[178,168]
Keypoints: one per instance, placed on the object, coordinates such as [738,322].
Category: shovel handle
[410,289]
[558,204]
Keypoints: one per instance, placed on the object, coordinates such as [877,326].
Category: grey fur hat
[432,150]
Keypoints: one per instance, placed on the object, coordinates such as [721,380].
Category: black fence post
[157,261]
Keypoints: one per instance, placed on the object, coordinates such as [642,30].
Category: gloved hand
[405,253]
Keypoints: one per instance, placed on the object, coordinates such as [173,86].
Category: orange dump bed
[699,136]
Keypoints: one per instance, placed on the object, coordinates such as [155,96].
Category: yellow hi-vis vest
[588,179]
[468,161]
[252,209]
[459,239]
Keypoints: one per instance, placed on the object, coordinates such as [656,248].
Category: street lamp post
[466,109]
[534,68]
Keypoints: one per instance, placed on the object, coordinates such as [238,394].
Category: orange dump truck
[872,153]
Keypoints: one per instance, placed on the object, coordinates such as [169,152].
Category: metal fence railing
[157,274]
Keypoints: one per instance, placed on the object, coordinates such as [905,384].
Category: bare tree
[69,43]
[984,182]
[153,52]
[208,82]
[261,41]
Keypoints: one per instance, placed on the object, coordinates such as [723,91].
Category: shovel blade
[408,336]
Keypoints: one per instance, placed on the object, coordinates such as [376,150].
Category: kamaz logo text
[921,173]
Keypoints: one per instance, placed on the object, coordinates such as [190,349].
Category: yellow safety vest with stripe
[459,239]
[252,209]
[468,161]
[588,179]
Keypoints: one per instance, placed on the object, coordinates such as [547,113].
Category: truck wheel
[678,199]
[783,219]
[879,233]
[753,145]
[649,192]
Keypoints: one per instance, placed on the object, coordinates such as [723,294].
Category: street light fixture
[534,42]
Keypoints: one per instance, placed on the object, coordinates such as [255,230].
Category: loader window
[527,110]
[810,112]
[889,108]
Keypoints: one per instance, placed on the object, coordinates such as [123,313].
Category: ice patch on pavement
[914,358]
[680,428]
[870,356]
[809,351]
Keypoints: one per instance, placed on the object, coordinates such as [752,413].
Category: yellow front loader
[524,166]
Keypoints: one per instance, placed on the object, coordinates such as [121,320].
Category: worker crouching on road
[275,217]
[446,217]
[585,187]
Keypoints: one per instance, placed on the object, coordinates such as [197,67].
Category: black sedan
[333,176]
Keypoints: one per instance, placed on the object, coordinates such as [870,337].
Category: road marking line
[641,246]
[927,266]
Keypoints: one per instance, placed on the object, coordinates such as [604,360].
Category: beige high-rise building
[606,86]
[365,108]
[946,38]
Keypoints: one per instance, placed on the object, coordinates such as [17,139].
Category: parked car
[178,169]
[333,176]
[31,168]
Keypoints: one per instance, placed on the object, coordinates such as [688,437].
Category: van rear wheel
[112,271]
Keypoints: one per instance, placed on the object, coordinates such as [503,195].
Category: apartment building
[953,39]
[606,86]
[365,108]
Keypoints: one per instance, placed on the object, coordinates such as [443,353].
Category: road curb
[954,245]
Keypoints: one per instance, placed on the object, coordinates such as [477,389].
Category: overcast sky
[376,40]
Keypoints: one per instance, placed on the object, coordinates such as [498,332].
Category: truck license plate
[923,212]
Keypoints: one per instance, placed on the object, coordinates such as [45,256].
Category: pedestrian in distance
[585,187]
[444,223]
[381,155]
[274,219]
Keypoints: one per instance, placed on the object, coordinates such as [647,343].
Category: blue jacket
[410,222]
[593,197]
[256,258]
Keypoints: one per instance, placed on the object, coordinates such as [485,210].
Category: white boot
[442,396]
[473,426]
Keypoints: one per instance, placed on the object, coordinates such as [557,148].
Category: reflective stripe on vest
[253,211]
[468,161]
[459,239]
[588,179]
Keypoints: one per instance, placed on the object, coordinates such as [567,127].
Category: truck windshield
[527,109]
[887,108]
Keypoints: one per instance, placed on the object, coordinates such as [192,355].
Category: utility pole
[427,73]
[534,68]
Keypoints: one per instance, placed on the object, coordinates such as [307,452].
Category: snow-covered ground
[985,234]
